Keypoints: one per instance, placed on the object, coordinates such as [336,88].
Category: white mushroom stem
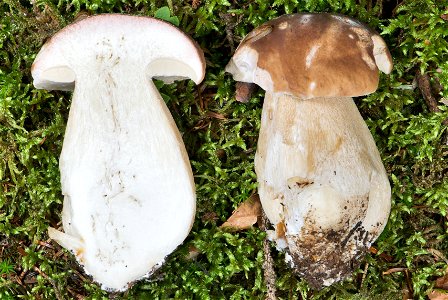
[321,183]
[124,164]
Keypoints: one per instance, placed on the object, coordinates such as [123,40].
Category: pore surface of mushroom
[321,180]
[129,196]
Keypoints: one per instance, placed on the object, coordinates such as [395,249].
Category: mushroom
[129,195]
[321,180]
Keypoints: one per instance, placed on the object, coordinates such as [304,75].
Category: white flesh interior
[129,194]
[128,186]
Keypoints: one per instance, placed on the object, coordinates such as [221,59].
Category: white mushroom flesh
[129,197]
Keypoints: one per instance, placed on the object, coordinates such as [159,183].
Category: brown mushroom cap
[312,55]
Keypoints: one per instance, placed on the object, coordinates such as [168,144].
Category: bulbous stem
[321,182]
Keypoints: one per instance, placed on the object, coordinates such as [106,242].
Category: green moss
[220,137]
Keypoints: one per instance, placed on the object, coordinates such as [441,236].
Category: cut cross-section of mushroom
[321,180]
[129,196]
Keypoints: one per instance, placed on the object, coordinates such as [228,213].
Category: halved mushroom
[321,180]
[128,186]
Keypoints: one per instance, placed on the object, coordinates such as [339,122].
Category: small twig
[268,264]
[201,101]
[424,84]
[201,125]
[215,115]
[394,270]
[82,277]
[394,11]
[19,278]
[75,294]
[22,275]
[364,274]
[409,282]
[59,253]
[45,244]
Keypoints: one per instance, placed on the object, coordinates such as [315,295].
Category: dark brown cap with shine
[319,55]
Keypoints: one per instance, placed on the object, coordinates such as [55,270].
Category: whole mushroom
[321,180]
[129,196]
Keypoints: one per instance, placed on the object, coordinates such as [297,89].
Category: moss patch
[220,135]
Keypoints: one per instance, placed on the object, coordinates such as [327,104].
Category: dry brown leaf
[242,218]
[442,282]
[383,255]
[245,215]
[193,253]
[436,295]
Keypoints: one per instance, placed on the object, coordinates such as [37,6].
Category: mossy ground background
[220,135]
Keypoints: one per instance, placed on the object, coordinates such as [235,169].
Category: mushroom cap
[158,48]
[312,55]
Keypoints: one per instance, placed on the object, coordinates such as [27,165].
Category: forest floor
[407,117]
